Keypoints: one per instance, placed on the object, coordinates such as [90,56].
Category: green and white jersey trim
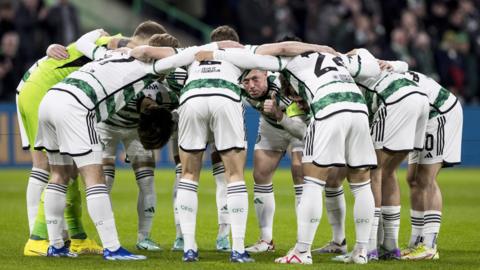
[128,116]
[391,87]
[441,100]
[330,98]
[27,74]
[105,104]
[210,87]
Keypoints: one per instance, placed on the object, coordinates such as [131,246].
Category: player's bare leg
[109,172]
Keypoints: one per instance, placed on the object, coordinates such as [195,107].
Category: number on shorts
[429,142]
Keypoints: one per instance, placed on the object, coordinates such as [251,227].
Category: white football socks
[372,241]
[391,226]
[218,171]
[431,228]
[416,218]
[55,202]
[363,212]
[237,201]
[37,181]
[178,175]
[309,213]
[100,211]
[109,173]
[187,205]
[298,195]
[336,211]
[264,202]
[147,201]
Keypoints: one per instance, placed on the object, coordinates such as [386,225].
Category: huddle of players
[321,107]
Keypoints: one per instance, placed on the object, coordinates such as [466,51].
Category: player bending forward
[67,116]
[122,127]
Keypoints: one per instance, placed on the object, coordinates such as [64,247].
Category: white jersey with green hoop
[321,79]
[325,80]
[128,116]
[107,84]
[212,78]
[441,100]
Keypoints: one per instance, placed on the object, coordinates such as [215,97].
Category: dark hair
[163,40]
[224,32]
[148,28]
[290,38]
[155,128]
[288,91]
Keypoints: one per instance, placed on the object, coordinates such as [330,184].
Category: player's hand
[229,44]
[57,51]
[326,49]
[384,65]
[123,50]
[140,53]
[103,33]
[352,52]
[204,56]
[270,107]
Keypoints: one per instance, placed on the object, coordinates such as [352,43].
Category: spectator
[284,20]
[424,56]
[398,49]
[7,14]
[30,24]
[256,22]
[10,71]
[63,23]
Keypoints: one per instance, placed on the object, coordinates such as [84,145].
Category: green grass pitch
[459,241]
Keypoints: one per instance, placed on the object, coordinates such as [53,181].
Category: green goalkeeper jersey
[50,71]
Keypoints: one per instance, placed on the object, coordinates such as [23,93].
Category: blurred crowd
[27,27]
[440,38]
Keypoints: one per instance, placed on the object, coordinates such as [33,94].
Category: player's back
[324,81]
[50,71]
[439,98]
[207,78]
[108,83]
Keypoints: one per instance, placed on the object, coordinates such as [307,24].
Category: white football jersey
[441,100]
[107,84]
[212,78]
[323,80]
[128,116]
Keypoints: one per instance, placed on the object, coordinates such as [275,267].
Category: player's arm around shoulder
[87,46]
[292,48]
[360,63]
